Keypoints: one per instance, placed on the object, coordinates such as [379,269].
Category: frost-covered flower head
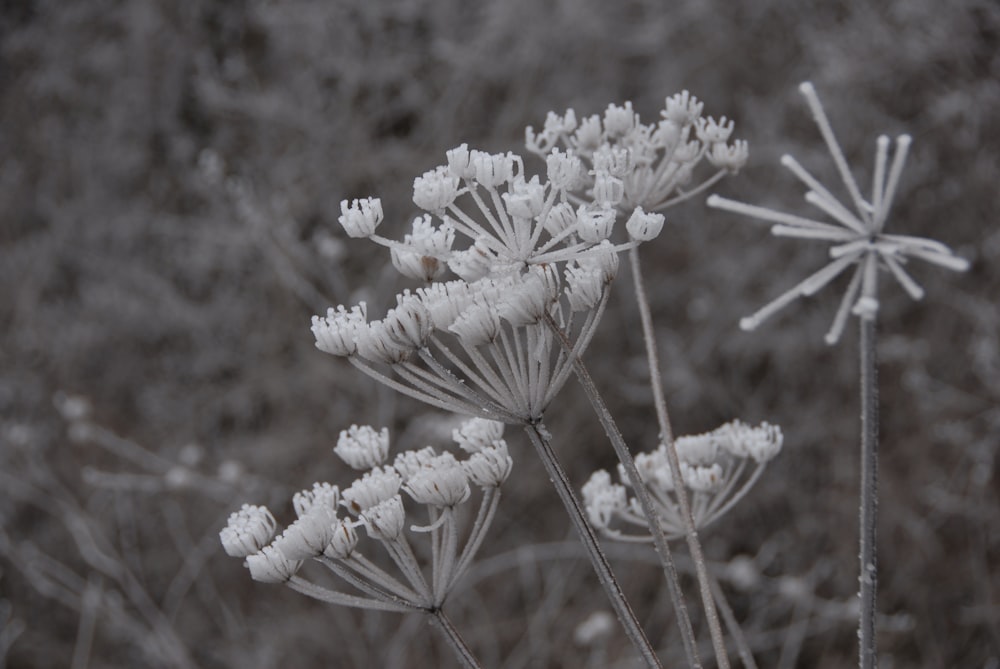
[718,468]
[631,164]
[857,237]
[439,482]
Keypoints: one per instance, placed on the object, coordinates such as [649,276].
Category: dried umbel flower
[477,434]
[359,218]
[718,468]
[437,481]
[858,239]
[363,447]
[248,530]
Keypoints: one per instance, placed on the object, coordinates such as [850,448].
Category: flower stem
[642,494]
[541,440]
[454,639]
[663,418]
[868,508]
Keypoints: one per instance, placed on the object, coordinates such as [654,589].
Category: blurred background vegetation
[170,174]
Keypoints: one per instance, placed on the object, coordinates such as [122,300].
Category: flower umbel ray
[856,235]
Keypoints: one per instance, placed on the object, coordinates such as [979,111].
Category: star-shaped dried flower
[857,235]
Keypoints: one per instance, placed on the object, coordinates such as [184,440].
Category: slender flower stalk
[859,241]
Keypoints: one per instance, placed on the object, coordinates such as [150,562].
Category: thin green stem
[541,440]
[868,508]
[454,639]
[663,418]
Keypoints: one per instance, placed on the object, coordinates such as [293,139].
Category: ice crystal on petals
[489,467]
[374,487]
[442,483]
[271,566]
[322,495]
[363,447]
[857,237]
[385,521]
[476,434]
[247,531]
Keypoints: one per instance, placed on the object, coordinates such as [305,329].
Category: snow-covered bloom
[337,333]
[718,468]
[359,218]
[437,481]
[270,565]
[857,236]
[363,447]
[248,530]
[628,164]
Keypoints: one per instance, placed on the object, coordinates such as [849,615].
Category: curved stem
[540,439]
[652,519]
[660,403]
[868,508]
[454,639]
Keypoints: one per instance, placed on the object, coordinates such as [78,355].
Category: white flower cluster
[438,481]
[537,258]
[631,164]
[718,468]
[857,237]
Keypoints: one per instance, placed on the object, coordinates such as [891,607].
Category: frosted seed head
[374,487]
[762,443]
[409,463]
[585,287]
[643,227]
[708,478]
[247,531]
[603,258]
[374,343]
[435,190]
[460,162]
[731,158]
[322,495]
[489,467]
[415,265]
[654,470]
[442,483]
[588,136]
[363,447]
[424,238]
[594,223]
[603,499]
[525,199]
[613,160]
[559,218]
[409,324]
[336,333]
[619,121]
[270,565]
[476,434]
[564,170]
[360,218]
[479,324]
[309,535]
[529,299]
[385,521]
[710,131]
[494,169]
[682,109]
[475,262]
[343,540]
[699,449]
[609,190]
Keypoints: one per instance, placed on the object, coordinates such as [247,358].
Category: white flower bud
[409,323]
[435,190]
[494,169]
[603,258]
[594,224]
[360,217]
[732,157]
[415,265]
[565,170]
[271,566]
[445,301]
[586,287]
[608,190]
[322,495]
[375,343]
[603,499]
[588,136]
[343,541]
[385,521]
[560,217]
[428,240]
[529,299]
[362,447]
[479,324]
[473,263]
[337,332]
[619,121]
[525,199]
[699,449]
[476,434]
[612,160]
[443,483]
[682,109]
[374,487]
[654,470]
[644,227]
[761,443]
[460,162]
[308,536]
[702,478]
[711,131]
[409,463]
[247,531]
[489,467]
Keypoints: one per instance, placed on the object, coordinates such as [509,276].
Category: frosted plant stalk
[859,241]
